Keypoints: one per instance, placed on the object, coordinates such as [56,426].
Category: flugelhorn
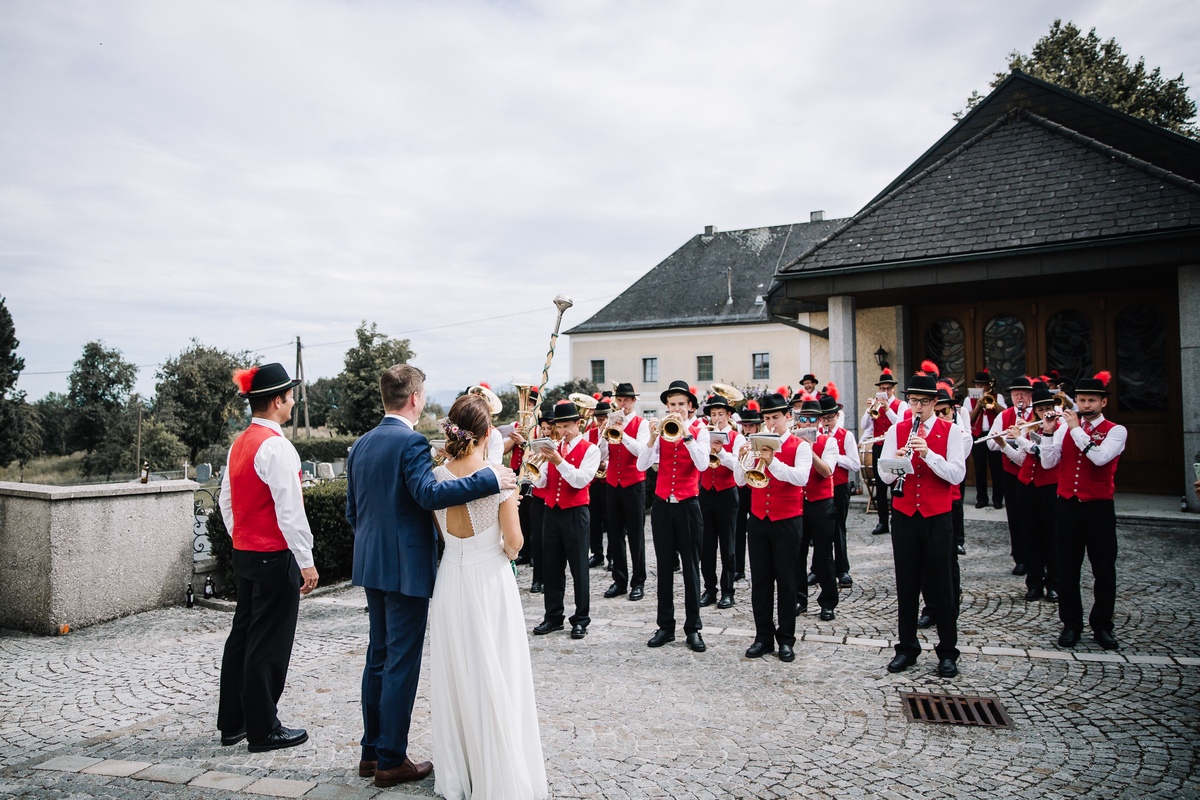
[614,428]
[752,465]
[672,428]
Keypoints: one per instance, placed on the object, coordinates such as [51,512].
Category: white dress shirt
[796,474]
[277,464]
[849,460]
[867,425]
[952,468]
[495,448]
[727,458]
[634,444]
[1010,451]
[1112,446]
[698,448]
[576,478]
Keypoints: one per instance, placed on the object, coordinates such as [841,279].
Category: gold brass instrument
[586,405]
[875,407]
[714,460]
[732,394]
[988,401]
[438,451]
[561,303]
[672,428]
[614,428]
[494,404]
[753,466]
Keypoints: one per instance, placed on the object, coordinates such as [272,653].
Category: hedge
[324,449]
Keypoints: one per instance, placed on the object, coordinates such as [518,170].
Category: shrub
[324,449]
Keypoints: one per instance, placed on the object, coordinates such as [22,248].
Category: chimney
[709,230]
[816,216]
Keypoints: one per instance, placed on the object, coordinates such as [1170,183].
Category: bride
[485,729]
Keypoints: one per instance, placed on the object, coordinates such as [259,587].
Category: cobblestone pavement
[622,721]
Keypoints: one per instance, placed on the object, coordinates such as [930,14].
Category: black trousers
[254,665]
[523,512]
[565,533]
[1041,551]
[537,514]
[922,549]
[881,489]
[743,515]
[818,528]
[598,507]
[841,511]
[956,519]
[1089,528]
[677,529]
[1014,509]
[718,512]
[774,551]
[627,521]
[985,459]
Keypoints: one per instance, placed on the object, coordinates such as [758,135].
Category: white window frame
[754,366]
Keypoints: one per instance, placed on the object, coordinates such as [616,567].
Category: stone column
[1189,363]
[843,358]
[903,363]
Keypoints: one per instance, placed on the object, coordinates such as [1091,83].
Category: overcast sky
[246,172]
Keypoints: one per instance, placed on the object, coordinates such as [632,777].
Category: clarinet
[898,486]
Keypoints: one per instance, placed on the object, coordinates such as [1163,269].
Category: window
[1141,359]
[704,368]
[649,370]
[598,372]
[1004,349]
[946,346]
[1069,345]
[762,366]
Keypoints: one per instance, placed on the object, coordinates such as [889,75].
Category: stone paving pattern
[619,720]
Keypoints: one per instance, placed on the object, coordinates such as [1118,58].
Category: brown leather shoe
[366,769]
[405,773]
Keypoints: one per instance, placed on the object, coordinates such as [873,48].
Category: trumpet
[614,429]
[672,428]
[988,401]
[874,407]
[714,460]
[753,466]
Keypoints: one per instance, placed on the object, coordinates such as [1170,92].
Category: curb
[229,606]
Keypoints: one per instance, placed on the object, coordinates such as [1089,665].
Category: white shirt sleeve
[1112,446]
[831,453]
[648,457]
[888,451]
[849,460]
[1052,447]
[866,426]
[225,499]
[996,429]
[579,478]
[278,465]
[495,448]
[797,475]
[729,458]
[699,448]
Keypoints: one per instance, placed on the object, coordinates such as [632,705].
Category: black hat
[1043,397]
[602,409]
[922,384]
[944,397]
[774,402]
[1040,384]
[750,414]
[886,378]
[1021,382]
[1096,385]
[811,405]
[983,376]
[809,377]
[625,390]
[798,397]
[829,405]
[716,401]
[263,381]
[546,415]
[679,387]
[565,411]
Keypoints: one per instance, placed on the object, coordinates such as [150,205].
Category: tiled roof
[1023,181]
[691,287]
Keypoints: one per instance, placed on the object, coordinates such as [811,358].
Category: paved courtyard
[127,709]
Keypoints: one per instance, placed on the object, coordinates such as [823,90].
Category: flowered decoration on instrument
[452,431]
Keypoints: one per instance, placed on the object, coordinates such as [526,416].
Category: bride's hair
[467,425]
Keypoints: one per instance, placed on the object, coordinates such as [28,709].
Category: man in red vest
[566,526]
[263,509]
[1037,492]
[749,422]
[1021,390]
[719,506]
[820,516]
[675,520]
[922,529]
[981,421]
[847,462]
[1086,448]
[626,511]
[888,410]
[598,491]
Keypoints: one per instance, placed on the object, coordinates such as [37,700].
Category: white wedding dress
[485,728]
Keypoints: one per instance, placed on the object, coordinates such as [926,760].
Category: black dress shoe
[726,601]
[595,561]
[1068,638]
[545,626]
[233,738]
[637,593]
[660,638]
[1106,640]
[707,599]
[1033,594]
[758,650]
[786,653]
[614,591]
[739,576]
[278,739]
[827,614]
[982,503]
[947,668]
[924,621]
[1051,596]
[901,663]
[962,551]
[812,579]
[845,580]
[536,587]
[998,504]
[880,529]
[578,631]
[1019,569]
[801,608]
[696,642]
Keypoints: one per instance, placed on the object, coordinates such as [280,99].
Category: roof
[690,288]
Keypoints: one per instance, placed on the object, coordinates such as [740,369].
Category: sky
[248,173]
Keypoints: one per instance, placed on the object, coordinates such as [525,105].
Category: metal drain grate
[984,712]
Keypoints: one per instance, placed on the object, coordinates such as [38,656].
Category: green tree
[1100,70]
[564,390]
[324,397]
[54,416]
[117,454]
[196,397]
[11,401]
[361,407]
[99,388]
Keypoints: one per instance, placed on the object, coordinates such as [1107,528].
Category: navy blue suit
[390,492]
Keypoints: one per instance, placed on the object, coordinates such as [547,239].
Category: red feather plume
[752,405]
[484,385]
[1104,377]
[831,390]
[930,368]
[887,371]
[693,390]
[244,378]
[783,390]
[988,371]
[947,385]
[597,396]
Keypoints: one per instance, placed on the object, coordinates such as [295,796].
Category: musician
[566,528]
[809,382]
[1037,492]
[890,411]
[1021,390]
[982,415]
[1086,448]
[774,529]
[516,443]
[626,496]
[598,503]
[847,462]
[946,408]
[818,514]
[923,531]
[537,510]
[750,422]
[675,519]
[719,506]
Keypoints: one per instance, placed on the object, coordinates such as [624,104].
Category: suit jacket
[390,493]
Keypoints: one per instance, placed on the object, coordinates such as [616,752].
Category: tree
[563,390]
[324,397]
[117,454]
[11,401]
[1101,71]
[196,397]
[361,407]
[54,415]
[99,388]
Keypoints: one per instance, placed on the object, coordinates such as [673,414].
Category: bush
[324,449]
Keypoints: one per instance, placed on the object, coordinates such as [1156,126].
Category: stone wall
[78,555]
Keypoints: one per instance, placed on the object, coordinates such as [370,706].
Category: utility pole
[137,464]
[301,395]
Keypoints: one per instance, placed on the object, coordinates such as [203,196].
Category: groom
[390,492]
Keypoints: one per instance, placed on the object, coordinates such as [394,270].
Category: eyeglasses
[913,400]
[805,418]
[948,411]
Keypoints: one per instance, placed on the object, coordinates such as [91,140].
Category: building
[1043,231]
[701,316]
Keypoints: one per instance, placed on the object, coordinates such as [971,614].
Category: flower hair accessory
[454,432]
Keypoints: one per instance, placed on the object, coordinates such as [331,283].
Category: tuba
[732,394]
[586,405]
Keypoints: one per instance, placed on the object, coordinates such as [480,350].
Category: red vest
[622,464]
[677,473]
[983,422]
[882,423]
[925,493]
[1033,472]
[720,478]
[1079,477]
[779,499]
[255,526]
[593,436]
[818,488]
[1007,420]
[515,459]
[559,493]
[841,475]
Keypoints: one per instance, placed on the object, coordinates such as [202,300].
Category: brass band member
[749,422]
[1086,448]
[881,414]
[516,443]
[537,510]
[1037,492]
[626,511]
[719,506]
[598,503]
[1021,390]
[983,412]
[847,463]
[819,524]
[809,383]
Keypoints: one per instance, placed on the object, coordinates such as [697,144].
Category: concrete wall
[1189,355]
[78,555]
[873,327]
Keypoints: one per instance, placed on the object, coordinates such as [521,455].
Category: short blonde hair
[398,383]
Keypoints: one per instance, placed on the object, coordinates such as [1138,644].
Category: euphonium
[672,428]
